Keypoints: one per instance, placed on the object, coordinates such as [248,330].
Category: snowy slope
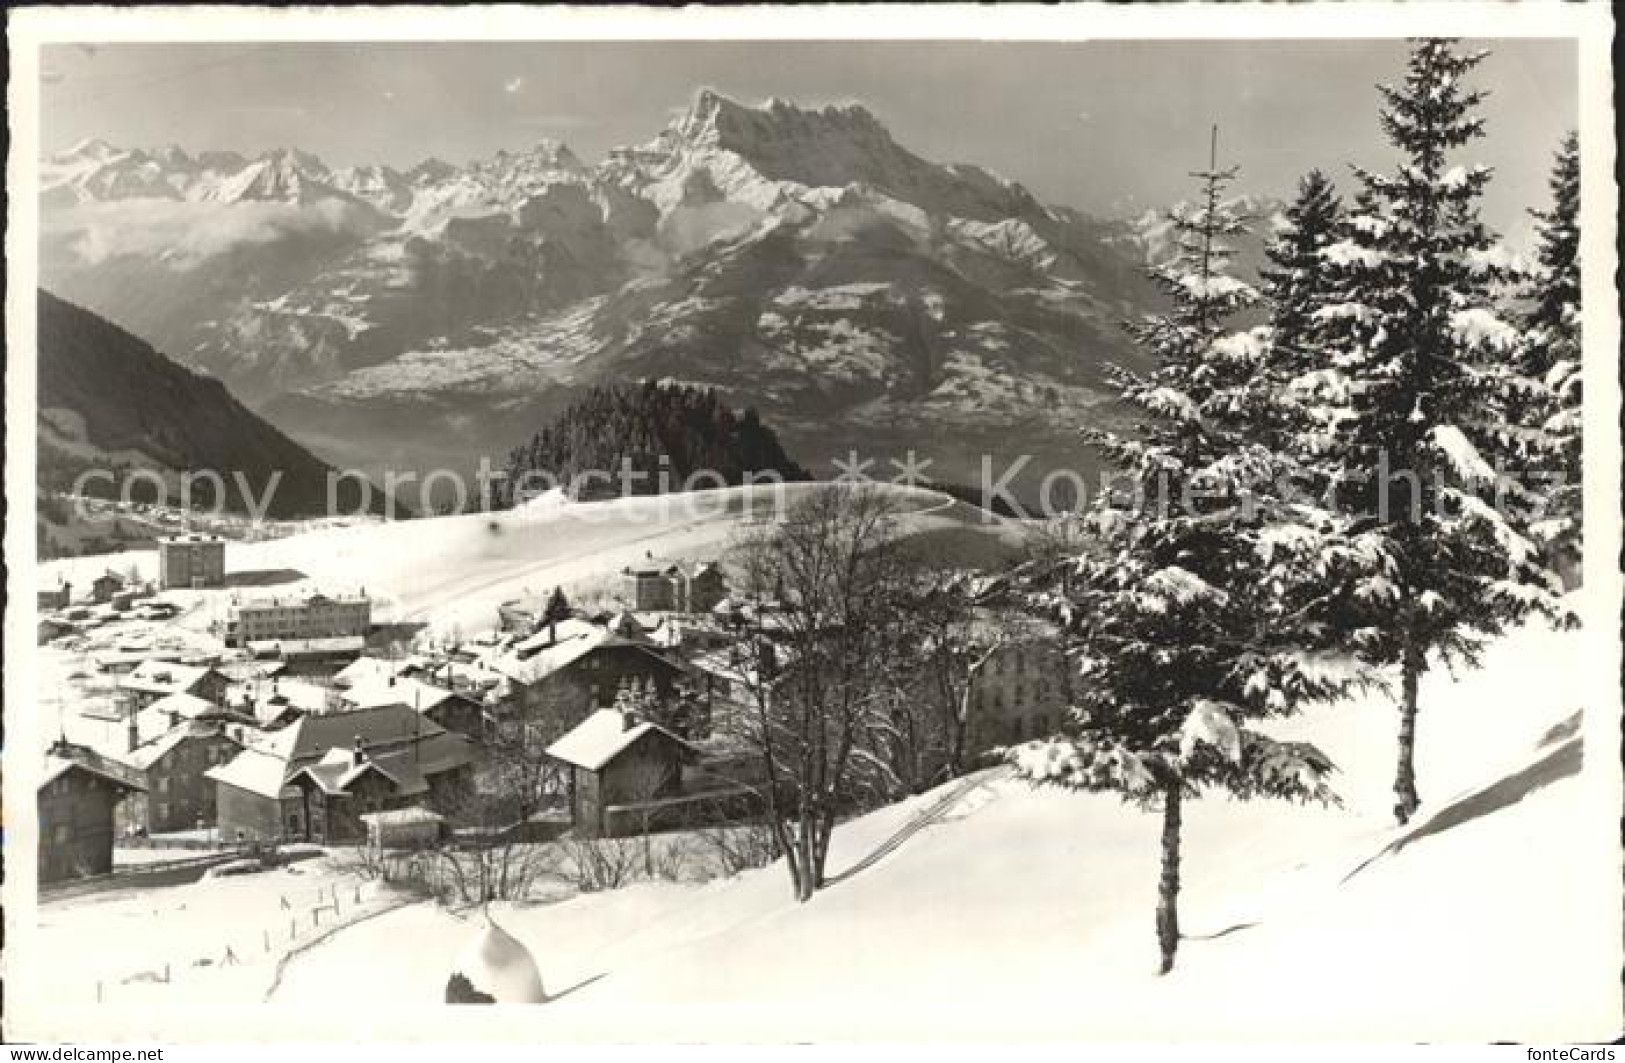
[454,571]
[1024,915]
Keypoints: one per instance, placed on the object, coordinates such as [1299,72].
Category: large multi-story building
[1020,693]
[314,616]
[686,588]
[191,561]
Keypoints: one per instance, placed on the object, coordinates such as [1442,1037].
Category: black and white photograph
[849,524]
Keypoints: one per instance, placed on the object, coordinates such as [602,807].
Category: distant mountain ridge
[109,402]
[799,260]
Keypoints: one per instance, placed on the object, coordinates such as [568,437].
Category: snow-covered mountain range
[798,259]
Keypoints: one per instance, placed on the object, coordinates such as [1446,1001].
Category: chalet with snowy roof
[313,779]
[579,671]
[366,669]
[75,804]
[154,679]
[179,795]
[451,709]
[279,702]
[619,764]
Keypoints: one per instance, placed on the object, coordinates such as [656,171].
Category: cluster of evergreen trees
[1348,495]
[665,434]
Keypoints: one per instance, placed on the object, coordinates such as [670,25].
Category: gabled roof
[65,758]
[363,669]
[549,635]
[146,755]
[535,667]
[404,745]
[187,706]
[602,737]
[413,693]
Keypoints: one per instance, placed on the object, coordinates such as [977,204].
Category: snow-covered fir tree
[1428,366]
[1296,280]
[1185,617]
[1552,359]
[1297,389]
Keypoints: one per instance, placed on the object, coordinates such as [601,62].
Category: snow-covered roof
[548,658]
[248,671]
[268,700]
[187,706]
[366,668]
[413,693]
[257,769]
[145,756]
[164,677]
[602,737]
[333,644]
[65,758]
[549,635]
[404,745]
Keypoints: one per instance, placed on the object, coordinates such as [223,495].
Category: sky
[1111,127]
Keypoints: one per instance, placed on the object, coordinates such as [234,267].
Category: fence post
[267,936]
[166,972]
[293,929]
[315,917]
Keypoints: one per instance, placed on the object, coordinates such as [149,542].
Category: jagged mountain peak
[294,159]
[718,121]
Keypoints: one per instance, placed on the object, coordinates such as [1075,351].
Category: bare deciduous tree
[826,582]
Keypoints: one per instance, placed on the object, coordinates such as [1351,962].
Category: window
[163,784]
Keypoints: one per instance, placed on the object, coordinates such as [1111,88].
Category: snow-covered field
[1022,914]
[452,572]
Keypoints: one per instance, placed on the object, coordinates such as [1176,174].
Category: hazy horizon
[1110,127]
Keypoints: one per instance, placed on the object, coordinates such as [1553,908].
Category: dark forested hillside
[108,401]
[657,429]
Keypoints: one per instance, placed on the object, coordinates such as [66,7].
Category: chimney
[359,756]
[132,733]
[174,719]
[629,720]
